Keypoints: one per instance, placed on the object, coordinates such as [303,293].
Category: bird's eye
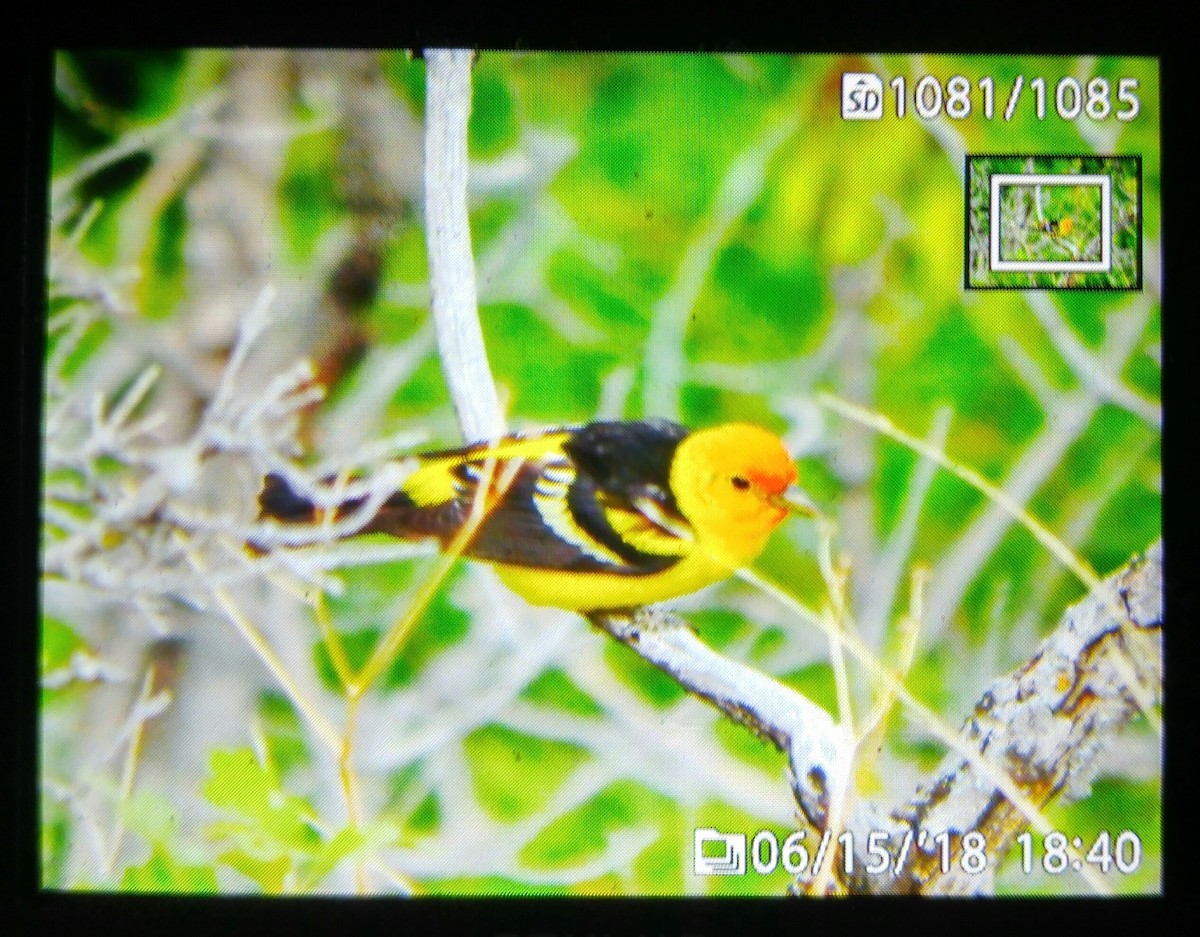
[741,484]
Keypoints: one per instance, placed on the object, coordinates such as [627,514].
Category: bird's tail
[398,516]
[280,501]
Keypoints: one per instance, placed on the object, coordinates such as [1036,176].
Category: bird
[607,515]
[1055,227]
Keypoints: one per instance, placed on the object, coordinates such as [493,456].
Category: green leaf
[152,816]
[357,646]
[603,298]
[163,874]
[272,818]
[758,311]
[93,338]
[270,874]
[426,819]
[309,204]
[422,818]
[326,858]
[55,842]
[816,682]
[492,127]
[650,683]
[583,832]
[515,774]
[770,642]
[749,749]
[287,744]
[718,627]
[559,384]
[59,645]
[59,642]
[140,85]
[553,688]
[165,280]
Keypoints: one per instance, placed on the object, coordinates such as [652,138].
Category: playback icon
[726,852]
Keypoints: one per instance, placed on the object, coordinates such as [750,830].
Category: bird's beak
[796,501]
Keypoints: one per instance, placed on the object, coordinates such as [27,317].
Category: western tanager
[607,515]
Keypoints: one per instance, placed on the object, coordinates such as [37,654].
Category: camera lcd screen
[561,474]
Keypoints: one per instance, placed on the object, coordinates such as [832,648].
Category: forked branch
[1044,722]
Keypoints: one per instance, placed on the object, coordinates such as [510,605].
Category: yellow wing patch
[435,482]
[648,529]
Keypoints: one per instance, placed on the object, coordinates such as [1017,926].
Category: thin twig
[324,729]
[132,753]
[938,726]
[1090,369]
[1018,512]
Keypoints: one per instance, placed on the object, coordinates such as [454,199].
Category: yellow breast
[585,592]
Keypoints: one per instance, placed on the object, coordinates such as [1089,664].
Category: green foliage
[137,85]
[815,682]
[647,117]
[166,255]
[645,679]
[769,642]
[270,837]
[266,816]
[493,125]
[94,336]
[59,645]
[308,202]
[162,874]
[59,642]
[757,310]
[585,831]
[283,732]
[930,678]
[718,627]
[747,747]
[411,805]
[555,689]
[614,306]
[558,385]
[515,774]
[55,841]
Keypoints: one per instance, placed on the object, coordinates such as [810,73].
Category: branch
[818,750]
[1046,722]
[448,238]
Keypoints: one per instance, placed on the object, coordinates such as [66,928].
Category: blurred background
[695,237]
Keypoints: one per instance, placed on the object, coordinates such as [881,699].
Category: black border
[1136,287]
[1102,27]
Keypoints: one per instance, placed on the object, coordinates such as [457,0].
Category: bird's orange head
[729,482]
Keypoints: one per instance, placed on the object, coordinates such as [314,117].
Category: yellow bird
[1056,227]
[608,515]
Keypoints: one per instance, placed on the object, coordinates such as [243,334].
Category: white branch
[448,238]
[818,749]
[818,752]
